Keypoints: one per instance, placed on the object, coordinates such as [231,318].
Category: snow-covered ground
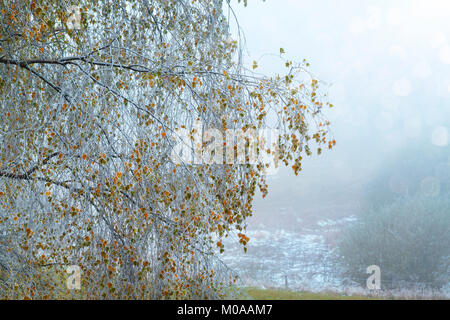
[304,260]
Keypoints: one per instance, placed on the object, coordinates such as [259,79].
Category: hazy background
[388,66]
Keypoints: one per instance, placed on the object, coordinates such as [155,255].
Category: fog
[387,64]
[387,68]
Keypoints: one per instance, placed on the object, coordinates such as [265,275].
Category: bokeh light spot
[439,137]
[402,87]
[444,54]
[430,186]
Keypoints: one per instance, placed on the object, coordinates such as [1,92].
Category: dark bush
[408,239]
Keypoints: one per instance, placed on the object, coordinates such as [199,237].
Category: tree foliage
[88,119]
